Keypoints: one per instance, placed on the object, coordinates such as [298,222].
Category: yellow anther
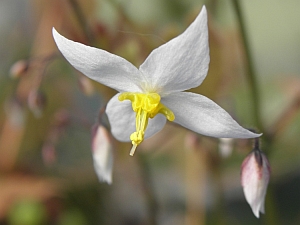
[146,105]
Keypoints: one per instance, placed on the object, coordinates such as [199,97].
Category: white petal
[181,63]
[202,115]
[122,120]
[102,154]
[99,65]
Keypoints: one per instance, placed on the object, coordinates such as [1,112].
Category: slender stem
[271,216]
[196,157]
[286,118]
[251,74]
[152,203]
[219,210]
[81,19]
[256,143]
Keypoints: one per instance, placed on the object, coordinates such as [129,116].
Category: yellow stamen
[146,105]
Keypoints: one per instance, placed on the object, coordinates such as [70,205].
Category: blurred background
[176,177]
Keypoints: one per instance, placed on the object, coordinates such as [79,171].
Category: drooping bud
[36,102]
[102,150]
[255,175]
[19,68]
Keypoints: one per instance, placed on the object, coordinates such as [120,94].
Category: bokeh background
[176,177]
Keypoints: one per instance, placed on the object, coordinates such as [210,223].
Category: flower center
[146,105]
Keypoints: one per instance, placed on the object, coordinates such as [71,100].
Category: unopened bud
[19,68]
[36,102]
[102,150]
[255,175]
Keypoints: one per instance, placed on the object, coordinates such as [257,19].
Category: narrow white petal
[203,116]
[102,150]
[181,63]
[122,120]
[99,65]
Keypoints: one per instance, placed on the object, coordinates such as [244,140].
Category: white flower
[255,175]
[102,150]
[155,90]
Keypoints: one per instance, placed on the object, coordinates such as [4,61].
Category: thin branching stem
[81,19]
[271,217]
[250,73]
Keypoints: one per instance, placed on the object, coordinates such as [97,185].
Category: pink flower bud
[255,175]
[102,150]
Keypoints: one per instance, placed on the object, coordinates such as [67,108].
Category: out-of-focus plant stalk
[217,173]
[286,118]
[271,216]
[152,205]
[11,136]
[82,21]
[251,74]
[196,177]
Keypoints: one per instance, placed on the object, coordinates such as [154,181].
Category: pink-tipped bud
[19,68]
[255,175]
[102,150]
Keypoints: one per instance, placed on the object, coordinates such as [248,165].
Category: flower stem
[271,216]
[251,74]
[152,204]
[81,19]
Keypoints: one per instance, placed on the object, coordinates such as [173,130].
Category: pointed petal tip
[105,180]
[256,135]
[57,37]
[103,175]
[258,210]
[203,13]
[255,209]
[55,33]
[249,134]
